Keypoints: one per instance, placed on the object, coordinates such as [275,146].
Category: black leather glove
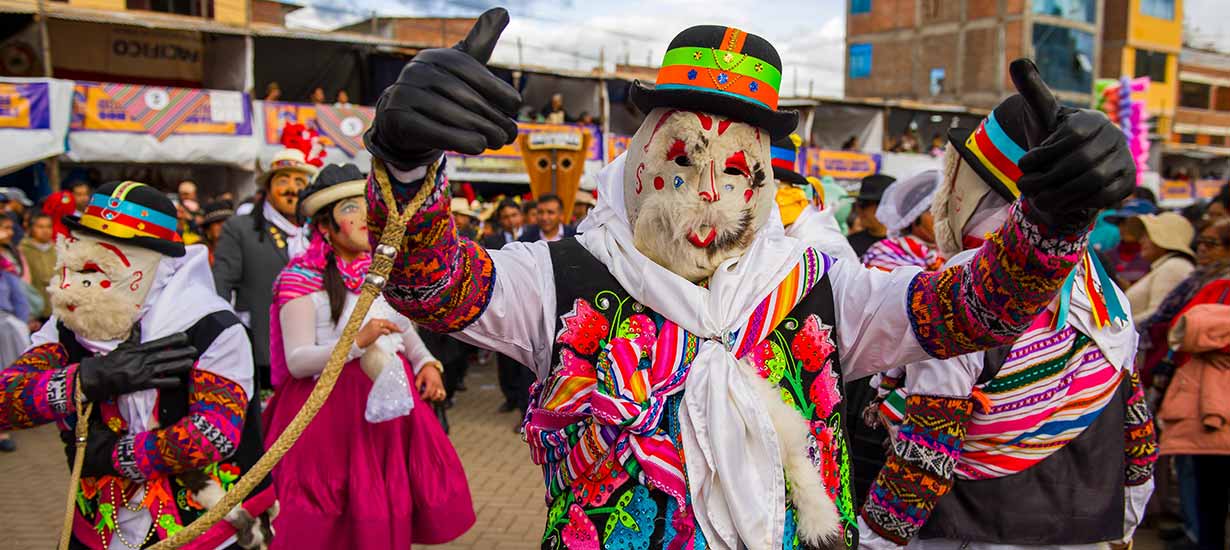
[1078,162]
[161,364]
[99,448]
[446,100]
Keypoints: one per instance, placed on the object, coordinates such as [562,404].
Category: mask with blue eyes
[695,189]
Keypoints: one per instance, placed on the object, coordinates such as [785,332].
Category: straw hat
[463,207]
[1169,231]
[287,159]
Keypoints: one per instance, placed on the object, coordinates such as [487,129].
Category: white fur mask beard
[693,189]
[99,286]
[964,206]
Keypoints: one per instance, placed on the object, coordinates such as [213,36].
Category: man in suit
[508,215]
[550,226]
[253,249]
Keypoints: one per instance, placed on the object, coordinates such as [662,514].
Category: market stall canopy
[34,115]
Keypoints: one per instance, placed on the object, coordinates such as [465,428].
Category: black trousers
[454,373]
[1212,499]
[515,380]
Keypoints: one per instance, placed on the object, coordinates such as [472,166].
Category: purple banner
[25,106]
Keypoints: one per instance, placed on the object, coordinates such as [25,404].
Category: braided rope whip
[82,433]
[382,264]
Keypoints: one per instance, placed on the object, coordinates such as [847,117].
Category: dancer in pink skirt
[374,470]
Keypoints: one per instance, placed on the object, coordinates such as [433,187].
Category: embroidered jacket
[492,297]
[203,438]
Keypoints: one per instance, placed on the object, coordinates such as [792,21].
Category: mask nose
[708,185]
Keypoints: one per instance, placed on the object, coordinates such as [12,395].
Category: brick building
[939,51]
[431,32]
[1144,38]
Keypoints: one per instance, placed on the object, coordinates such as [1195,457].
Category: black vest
[173,406]
[579,275]
[1079,487]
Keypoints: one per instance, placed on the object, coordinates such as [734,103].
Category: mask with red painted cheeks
[99,285]
[694,189]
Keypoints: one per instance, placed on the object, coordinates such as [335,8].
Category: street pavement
[506,487]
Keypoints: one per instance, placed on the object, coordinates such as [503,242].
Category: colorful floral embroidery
[813,343]
[209,433]
[824,392]
[583,328]
[630,525]
[580,533]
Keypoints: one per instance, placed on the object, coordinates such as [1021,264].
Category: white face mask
[100,285]
[964,206]
[693,188]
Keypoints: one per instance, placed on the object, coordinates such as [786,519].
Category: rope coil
[382,264]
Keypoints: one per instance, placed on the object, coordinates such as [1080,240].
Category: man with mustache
[689,354]
[253,248]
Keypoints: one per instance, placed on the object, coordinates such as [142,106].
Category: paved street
[506,486]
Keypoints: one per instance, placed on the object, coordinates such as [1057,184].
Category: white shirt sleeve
[230,356]
[953,377]
[873,324]
[520,318]
[304,357]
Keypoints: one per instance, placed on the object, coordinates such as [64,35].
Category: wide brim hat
[994,148]
[720,70]
[586,198]
[1169,231]
[1130,209]
[287,160]
[334,183]
[785,153]
[872,187]
[131,213]
[906,200]
[460,206]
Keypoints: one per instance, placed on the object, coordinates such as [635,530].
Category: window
[1064,57]
[1217,141]
[1076,10]
[1221,99]
[1187,138]
[1151,64]
[1161,9]
[860,6]
[860,60]
[1194,95]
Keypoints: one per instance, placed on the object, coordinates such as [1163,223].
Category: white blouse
[309,333]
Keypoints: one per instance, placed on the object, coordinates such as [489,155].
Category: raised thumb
[484,34]
[1037,95]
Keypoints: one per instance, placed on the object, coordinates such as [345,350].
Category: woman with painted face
[366,472]
[905,211]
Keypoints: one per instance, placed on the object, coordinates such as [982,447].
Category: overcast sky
[573,34]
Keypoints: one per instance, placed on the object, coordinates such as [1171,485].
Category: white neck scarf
[296,237]
[734,463]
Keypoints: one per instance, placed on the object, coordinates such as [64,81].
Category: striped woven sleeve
[209,433]
[37,389]
[440,280]
[920,468]
[991,300]
[1139,438]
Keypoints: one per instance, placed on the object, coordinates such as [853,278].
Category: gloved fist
[446,100]
[161,364]
[1077,163]
[99,449]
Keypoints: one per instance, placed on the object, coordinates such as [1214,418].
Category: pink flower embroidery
[813,343]
[583,328]
[640,329]
[580,534]
[827,451]
[824,392]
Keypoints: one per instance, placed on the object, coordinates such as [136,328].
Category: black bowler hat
[873,186]
[334,183]
[215,212]
[724,71]
[996,146]
[131,213]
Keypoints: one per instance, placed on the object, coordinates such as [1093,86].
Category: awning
[35,120]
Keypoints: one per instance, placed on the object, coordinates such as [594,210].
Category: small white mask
[693,189]
[100,285]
